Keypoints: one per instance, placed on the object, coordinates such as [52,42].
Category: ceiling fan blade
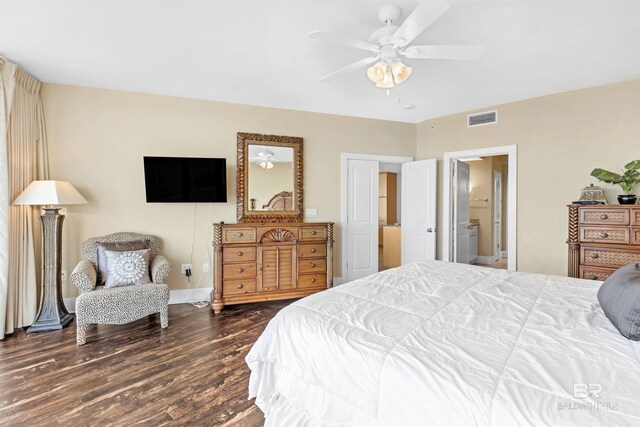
[443,52]
[344,40]
[423,16]
[362,63]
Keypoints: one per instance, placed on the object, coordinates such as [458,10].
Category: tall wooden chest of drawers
[602,238]
[270,261]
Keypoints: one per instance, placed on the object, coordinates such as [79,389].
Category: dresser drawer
[608,257]
[313,233]
[312,281]
[635,216]
[312,250]
[604,234]
[239,254]
[239,271]
[239,287]
[635,235]
[595,273]
[611,216]
[238,235]
[312,266]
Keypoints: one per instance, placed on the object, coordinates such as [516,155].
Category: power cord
[192,298]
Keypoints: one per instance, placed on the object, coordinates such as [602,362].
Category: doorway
[388,212]
[480,207]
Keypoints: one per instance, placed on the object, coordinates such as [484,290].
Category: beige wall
[560,139]
[97,139]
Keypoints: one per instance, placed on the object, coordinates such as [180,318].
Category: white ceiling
[257,52]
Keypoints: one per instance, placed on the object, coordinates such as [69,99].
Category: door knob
[430,230]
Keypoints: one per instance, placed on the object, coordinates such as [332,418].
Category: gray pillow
[127,268]
[103,271]
[619,298]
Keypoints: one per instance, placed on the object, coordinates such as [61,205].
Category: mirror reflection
[270,178]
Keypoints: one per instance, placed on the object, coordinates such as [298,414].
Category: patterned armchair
[119,305]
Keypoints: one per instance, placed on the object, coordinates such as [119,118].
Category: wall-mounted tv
[185,180]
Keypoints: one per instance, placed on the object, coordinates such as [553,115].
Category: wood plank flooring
[192,373]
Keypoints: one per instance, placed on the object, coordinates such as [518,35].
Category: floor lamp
[52,314]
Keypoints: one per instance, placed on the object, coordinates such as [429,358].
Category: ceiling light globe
[400,71]
[377,71]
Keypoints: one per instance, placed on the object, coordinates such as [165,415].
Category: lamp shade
[50,193]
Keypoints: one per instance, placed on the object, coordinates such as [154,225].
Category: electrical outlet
[205,267]
[311,212]
[64,276]
[185,267]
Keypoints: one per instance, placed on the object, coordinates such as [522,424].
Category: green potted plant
[627,181]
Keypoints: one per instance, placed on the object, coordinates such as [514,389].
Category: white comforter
[446,344]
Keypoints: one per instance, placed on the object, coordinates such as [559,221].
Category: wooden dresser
[602,238]
[270,261]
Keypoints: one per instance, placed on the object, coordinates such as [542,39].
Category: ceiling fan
[391,42]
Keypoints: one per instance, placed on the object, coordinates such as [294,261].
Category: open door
[418,206]
[462,213]
[362,218]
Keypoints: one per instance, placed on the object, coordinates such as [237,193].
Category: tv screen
[185,180]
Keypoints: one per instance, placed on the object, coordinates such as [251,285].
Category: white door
[362,218]
[497,213]
[462,213]
[418,207]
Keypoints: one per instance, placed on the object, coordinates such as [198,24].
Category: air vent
[481,119]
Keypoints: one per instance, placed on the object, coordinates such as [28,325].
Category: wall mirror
[269,178]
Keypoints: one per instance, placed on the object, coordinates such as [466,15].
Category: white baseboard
[179,296]
[486,260]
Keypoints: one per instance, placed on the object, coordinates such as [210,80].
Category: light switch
[311,212]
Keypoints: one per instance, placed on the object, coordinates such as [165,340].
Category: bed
[438,343]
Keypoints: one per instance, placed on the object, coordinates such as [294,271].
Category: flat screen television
[185,180]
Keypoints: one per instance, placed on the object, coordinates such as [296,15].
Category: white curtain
[23,158]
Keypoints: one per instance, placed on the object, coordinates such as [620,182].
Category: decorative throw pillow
[135,245]
[127,268]
[619,298]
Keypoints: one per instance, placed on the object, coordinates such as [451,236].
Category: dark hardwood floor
[192,373]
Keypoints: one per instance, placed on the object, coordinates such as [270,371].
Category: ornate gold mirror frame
[244,214]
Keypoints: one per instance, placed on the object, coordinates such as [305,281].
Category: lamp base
[43,325]
[52,314]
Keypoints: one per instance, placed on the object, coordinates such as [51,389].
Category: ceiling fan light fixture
[266,164]
[400,71]
[376,72]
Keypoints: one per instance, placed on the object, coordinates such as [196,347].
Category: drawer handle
[240,286]
[313,280]
[240,253]
[593,277]
[604,216]
[312,265]
[314,232]
[313,250]
[240,234]
[604,235]
[595,256]
[240,270]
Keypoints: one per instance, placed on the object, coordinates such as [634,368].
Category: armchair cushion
[121,305]
[103,269]
[84,276]
[160,269]
[127,268]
